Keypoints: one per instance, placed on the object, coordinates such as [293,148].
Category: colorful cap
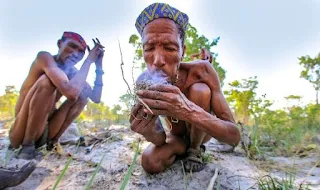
[75,36]
[161,10]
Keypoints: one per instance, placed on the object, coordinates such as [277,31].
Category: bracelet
[99,72]
[98,84]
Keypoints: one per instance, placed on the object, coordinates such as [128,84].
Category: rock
[71,135]
[316,139]
[10,178]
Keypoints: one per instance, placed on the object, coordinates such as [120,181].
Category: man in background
[37,120]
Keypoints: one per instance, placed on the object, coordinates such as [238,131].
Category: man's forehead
[76,37]
[70,40]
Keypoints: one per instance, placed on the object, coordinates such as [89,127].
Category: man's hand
[100,56]
[167,100]
[95,53]
[147,125]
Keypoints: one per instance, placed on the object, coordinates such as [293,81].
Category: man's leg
[200,94]
[64,116]
[30,121]
[156,159]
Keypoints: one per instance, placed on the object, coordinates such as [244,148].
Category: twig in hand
[122,70]
[147,107]
[213,179]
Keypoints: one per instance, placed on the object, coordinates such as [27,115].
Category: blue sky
[258,38]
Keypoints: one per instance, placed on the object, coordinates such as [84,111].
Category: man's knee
[44,83]
[150,163]
[200,94]
[82,100]
[200,89]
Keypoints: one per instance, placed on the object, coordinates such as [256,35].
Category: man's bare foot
[28,152]
[194,160]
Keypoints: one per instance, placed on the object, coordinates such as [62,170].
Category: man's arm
[223,126]
[173,102]
[95,93]
[71,89]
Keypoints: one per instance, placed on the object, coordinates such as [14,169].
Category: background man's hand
[96,54]
[100,56]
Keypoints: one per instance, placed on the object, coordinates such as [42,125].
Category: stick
[147,107]
[122,70]
[213,179]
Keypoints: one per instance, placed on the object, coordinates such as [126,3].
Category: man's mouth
[71,59]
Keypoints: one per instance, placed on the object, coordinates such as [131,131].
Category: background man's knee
[45,83]
[83,99]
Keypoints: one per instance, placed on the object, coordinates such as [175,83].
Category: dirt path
[235,169]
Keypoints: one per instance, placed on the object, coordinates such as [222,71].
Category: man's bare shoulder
[44,58]
[202,71]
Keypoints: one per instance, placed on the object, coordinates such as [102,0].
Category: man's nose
[159,60]
[75,54]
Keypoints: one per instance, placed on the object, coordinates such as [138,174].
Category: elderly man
[192,102]
[37,120]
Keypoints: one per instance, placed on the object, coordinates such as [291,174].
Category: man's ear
[210,59]
[183,51]
[59,43]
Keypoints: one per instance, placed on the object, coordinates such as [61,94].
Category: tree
[242,97]
[127,100]
[311,72]
[8,102]
[135,41]
[194,43]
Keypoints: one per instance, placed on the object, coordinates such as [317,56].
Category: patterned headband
[161,10]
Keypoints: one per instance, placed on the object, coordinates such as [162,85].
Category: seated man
[193,102]
[37,121]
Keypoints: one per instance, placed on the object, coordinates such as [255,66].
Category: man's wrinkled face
[70,51]
[162,47]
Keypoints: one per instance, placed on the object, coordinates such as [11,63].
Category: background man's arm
[95,93]
[71,89]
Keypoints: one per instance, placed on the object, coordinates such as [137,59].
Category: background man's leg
[64,116]
[31,119]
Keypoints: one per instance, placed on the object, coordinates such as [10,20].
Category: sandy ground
[235,170]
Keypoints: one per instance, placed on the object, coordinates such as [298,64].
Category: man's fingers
[156,95]
[135,111]
[88,48]
[164,88]
[157,104]
[140,123]
[159,112]
[98,40]
[95,43]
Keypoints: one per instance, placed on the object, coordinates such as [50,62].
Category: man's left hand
[167,100]
[100,56]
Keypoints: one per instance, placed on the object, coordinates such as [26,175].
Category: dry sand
[235,169]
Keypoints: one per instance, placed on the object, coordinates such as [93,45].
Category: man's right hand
[94,53]
[147,125]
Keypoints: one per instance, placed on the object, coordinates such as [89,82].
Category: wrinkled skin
[195,93]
